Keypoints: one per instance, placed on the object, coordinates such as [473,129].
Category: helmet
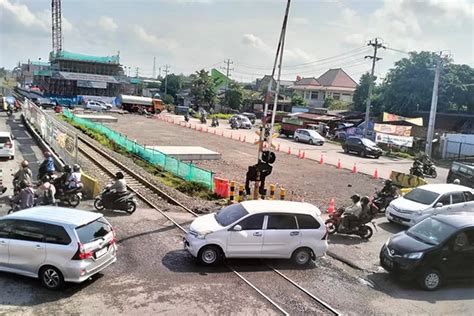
[47,154]
[388,182]
[45,179]
[119,175]
[365,200]
[24,184]
[76,168]
[67,168]
[24,163]
[355,198]
[457,181]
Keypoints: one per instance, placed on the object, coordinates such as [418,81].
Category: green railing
[184,170]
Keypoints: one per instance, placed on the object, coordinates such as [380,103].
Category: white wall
[451,145]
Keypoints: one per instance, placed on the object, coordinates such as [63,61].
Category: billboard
[394,140]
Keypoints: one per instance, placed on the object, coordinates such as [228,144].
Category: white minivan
[259,229]
[430,199]
[7,146]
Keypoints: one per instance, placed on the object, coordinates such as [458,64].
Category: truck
[133,103]
[290,124]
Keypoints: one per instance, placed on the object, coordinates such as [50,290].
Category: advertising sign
[394,140]
[387,117]
[393,129]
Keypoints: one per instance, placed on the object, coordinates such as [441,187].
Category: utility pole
[166,78]
[136,71]
[434,105]
[154,67]
[227,69]
[376,45]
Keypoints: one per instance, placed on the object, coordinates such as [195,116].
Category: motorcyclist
[215,122]
[73,180]
[234,123]
[186,117]
[26,197]
[23,174]
[203,118]
[457,181]
[46,192]
[47,166]
[351,213]
[365,209]
[119,188]
[61,182]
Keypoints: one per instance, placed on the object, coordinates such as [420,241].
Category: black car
[463,171]
[439,248]
[361,146]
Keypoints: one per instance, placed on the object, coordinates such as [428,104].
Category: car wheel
[311,141]
[209,255]
[346,150]
[98,204]
[12,157]
[297,139]
[301,256]
[362,153]
[430,280]
[51,278]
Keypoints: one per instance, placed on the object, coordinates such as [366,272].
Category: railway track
[298,301]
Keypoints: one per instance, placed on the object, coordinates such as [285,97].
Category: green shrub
[221,116]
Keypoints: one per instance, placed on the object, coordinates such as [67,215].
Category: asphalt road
[154,274]
[331,153]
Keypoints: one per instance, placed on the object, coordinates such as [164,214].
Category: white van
[7,146]
[259,229]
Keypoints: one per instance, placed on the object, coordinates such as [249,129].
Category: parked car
[361,146]
[95,106]
[56,244]
[7,145]
[252,117]
[437,249]
[108,106]
[464,171]
[430,199]
[243,121]
[308,136]
[259,229]
[44,102]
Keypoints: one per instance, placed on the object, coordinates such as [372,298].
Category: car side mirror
[439,204]
[237,228]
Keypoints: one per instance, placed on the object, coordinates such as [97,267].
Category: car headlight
[419,213]
[413,255]
[202,235]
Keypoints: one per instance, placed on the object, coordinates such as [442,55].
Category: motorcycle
[215,122]
[430,170]
[381,201]
[417,169]
[203,119]
[186,118]
[333,224]
[107,200]
[9,112]
[234,124]
[71,197]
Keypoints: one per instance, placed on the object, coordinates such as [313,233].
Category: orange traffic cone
[321,160]
[299,153]
[244,140]
[289,150]
[339,164]
[354,168]
[331,206]
[239,138]
[214,132]
[278,147]
[302,155]
[376,174]
[231,135]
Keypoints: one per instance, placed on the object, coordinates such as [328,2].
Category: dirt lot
[302,178]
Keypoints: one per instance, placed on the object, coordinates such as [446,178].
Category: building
[334,83]
[70,74]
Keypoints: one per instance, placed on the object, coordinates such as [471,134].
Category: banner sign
[394,140]
[387,117]
[393,129]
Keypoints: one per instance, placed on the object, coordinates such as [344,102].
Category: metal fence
[458,150]
[62,140]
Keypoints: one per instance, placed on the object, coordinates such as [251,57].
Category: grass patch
[193,189]
[221,116]
[399,154]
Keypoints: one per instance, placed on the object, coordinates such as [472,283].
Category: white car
[7,146]
[243,121]
[259,229]
[96,106]
[308,136]
[430,199]
[109,106]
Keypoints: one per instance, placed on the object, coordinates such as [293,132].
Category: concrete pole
[371,87]
[434,105]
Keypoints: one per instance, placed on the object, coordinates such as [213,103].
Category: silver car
[56,244]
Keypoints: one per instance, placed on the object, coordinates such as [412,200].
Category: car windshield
[368,142]
[230,214]
[421,196]
[431,231]
[314,133]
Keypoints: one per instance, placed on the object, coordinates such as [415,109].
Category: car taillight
[8,145]
[81,254]
[114,237]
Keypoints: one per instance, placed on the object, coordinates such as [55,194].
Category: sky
[189,35]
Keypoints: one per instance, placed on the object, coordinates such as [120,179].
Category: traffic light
[264,168]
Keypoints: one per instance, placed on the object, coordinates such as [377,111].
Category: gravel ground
[302,178]
[192,203]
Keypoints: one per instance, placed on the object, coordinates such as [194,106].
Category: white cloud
[107,24]
[300,21]
[22,15]
[153,40]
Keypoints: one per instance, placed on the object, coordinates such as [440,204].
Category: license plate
[388,263]
[101,252]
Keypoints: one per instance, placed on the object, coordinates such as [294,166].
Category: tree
[168,99]
[361,93]
[332,104]
[234,95]
[173,85]
[298,100]
[202,89]
[3,72]
[457,87]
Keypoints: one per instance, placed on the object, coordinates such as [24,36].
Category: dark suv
[464,172]
[439,248]
[361,146]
